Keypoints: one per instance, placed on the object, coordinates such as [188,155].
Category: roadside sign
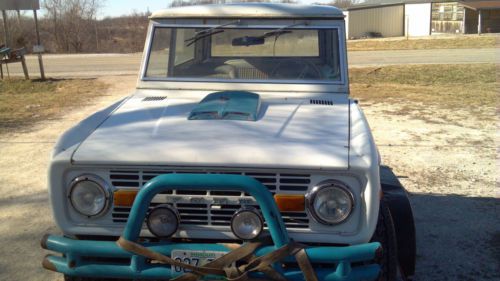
[38,49]
[17,5]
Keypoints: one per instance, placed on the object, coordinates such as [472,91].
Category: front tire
[385,234]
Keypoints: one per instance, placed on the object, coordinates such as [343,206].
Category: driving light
[163,221]
[331,202]
[247,223]
[89,195]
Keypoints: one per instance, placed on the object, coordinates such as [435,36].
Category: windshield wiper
[208,32]
[280,31]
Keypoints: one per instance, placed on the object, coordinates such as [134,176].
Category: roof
[469,3]
[481,4]
[250,10]
[382,3]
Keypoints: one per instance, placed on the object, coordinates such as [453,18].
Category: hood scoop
[228,105]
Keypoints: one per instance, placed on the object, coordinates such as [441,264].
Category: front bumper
[104,259]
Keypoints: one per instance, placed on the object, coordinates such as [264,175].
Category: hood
[297,133]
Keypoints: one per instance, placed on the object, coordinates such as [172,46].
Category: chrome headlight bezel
[312,194]
[103,186]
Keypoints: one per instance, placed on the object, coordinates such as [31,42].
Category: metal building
[392,18]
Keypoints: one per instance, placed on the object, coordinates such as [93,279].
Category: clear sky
[123,7]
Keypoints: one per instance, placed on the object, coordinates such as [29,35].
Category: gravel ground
[450,171]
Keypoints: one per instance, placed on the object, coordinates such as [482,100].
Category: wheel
[385,234]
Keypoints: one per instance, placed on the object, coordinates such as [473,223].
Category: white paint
[250,10]
[159,133]
[291,135]
[346,21]
[362,176]
[418,19]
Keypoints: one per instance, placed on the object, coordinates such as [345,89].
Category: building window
[447,12]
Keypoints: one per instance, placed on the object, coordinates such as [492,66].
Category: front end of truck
[240,156]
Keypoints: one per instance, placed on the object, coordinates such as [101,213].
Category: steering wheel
[296,68]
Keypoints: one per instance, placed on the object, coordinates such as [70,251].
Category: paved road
[97,65]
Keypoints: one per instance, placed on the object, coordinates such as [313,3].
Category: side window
[158,58]
[183,53]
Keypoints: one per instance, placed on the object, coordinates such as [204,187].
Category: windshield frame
[309,24]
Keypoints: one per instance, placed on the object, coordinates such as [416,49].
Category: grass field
[470,90]
[461,42]
[23,103]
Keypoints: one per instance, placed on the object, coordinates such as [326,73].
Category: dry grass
[23,103]
[413,90]
[462,42]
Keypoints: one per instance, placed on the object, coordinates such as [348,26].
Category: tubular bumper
[107,260]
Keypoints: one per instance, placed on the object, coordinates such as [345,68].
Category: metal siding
[418,18]
[389,21]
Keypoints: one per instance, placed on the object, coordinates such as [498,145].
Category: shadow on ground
[458,237]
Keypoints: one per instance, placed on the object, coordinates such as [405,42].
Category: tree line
[74,26]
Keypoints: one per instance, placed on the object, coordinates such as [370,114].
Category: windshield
[244,54]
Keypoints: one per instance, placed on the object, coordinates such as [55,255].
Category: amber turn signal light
[290,203]
[124,198]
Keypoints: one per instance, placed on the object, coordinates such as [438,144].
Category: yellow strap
[225,264]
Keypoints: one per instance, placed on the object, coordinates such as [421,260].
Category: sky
[123,7]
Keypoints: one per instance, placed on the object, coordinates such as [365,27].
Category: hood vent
[228,105]
[321,102]
[157,98]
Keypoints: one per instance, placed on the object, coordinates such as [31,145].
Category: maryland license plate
[195,258]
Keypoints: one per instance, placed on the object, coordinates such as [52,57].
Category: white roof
[250,10]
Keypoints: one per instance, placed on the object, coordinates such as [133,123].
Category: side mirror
[248,41]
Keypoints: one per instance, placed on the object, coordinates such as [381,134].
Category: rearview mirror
[248,41]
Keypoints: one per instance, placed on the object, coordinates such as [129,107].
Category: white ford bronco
[240,156]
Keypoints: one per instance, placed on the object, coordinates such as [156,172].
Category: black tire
[385,234]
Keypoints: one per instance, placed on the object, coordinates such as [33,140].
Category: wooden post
[5,27]
[40,60]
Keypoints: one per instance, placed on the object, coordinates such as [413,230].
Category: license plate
[195,258]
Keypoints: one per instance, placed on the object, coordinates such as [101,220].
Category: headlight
[247,224]
[163,221]
[89,195]
[330,202]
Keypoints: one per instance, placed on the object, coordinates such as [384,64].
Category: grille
[218,206]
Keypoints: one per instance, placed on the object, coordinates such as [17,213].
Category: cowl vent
[158,98]
[321,102]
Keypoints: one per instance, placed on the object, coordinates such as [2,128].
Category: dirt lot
[441,144]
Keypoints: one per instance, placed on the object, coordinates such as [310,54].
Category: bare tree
[74,23]
[344,4]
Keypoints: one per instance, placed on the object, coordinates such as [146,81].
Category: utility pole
[39,46]
[5,28]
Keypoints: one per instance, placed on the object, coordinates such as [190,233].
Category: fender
[396,196]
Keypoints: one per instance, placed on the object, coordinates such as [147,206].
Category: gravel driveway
[452,181]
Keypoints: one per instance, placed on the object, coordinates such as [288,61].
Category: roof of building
[481,4]
[250,10]
[468,3]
